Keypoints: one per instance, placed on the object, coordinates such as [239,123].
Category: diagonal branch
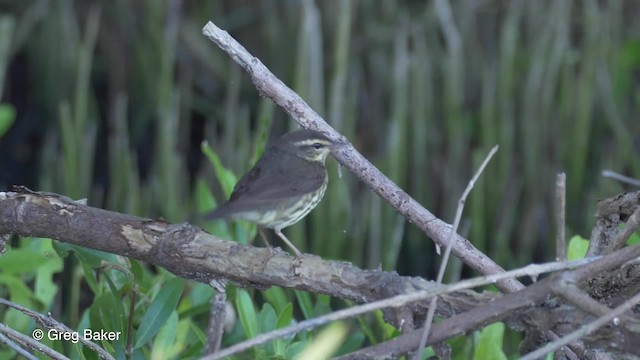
[270,86]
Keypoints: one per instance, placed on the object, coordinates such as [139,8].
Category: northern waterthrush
[286,183]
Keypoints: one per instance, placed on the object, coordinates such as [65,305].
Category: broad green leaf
[21,261]
[226,178]
[285,318]
[7,117]
[305,303]
[159,311]
[277,297]
[247,314]
[118,318]
[490,343]
[163,343]
[353,343]
[19,293]
[204,197]
[93,257]
[267,318]
[325,345]
[45,288]
[577,248]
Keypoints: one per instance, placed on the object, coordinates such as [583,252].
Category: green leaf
[247,314]
[93,258]
[267,318]
[19,293]
[633,239]
[353,343]
[21,261]
[226,178]
[366,328]
[490,343]
[327,342]
[286,317]
[159,311]
[577,248]
[163,344]
[45,288]
[7,117]
[277,297]
[90,277]
[304,301]
[118,318]
[204,197]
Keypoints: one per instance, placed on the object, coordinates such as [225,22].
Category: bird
[286,183]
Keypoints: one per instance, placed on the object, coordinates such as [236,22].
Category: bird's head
[307,144]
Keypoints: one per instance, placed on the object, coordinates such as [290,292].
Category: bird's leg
[286,241]
[263,236]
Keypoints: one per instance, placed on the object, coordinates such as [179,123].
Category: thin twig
[215,330]
[632,224]
[583,331]
[51,323]
[578,297]
[28,342]
[623,179]
[561,193]
[447,252]
[17,348]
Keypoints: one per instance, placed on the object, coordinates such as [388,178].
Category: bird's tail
[216,213]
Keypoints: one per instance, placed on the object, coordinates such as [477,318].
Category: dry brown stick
[50,323]
[270,86]
[445,257]
[29,342]
[215,330]
[561,193]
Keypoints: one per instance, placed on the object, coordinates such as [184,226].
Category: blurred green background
[111,100]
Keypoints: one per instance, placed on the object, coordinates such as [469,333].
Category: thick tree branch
[193,254]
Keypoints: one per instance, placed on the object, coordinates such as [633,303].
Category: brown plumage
[286,183]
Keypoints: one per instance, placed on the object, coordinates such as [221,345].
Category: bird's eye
[316,146]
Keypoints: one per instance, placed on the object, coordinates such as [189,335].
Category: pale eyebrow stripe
[312,141]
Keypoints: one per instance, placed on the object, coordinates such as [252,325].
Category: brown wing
[276,177]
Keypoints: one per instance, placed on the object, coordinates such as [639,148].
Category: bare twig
[215,330]
[623,179]
[575,295]
[561,192]
[51,323]
[447,252]
[632,224]
[28,342]
[270,86]
[17,348]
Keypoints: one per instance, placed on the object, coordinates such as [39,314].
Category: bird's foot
[295,265]
[271,254]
